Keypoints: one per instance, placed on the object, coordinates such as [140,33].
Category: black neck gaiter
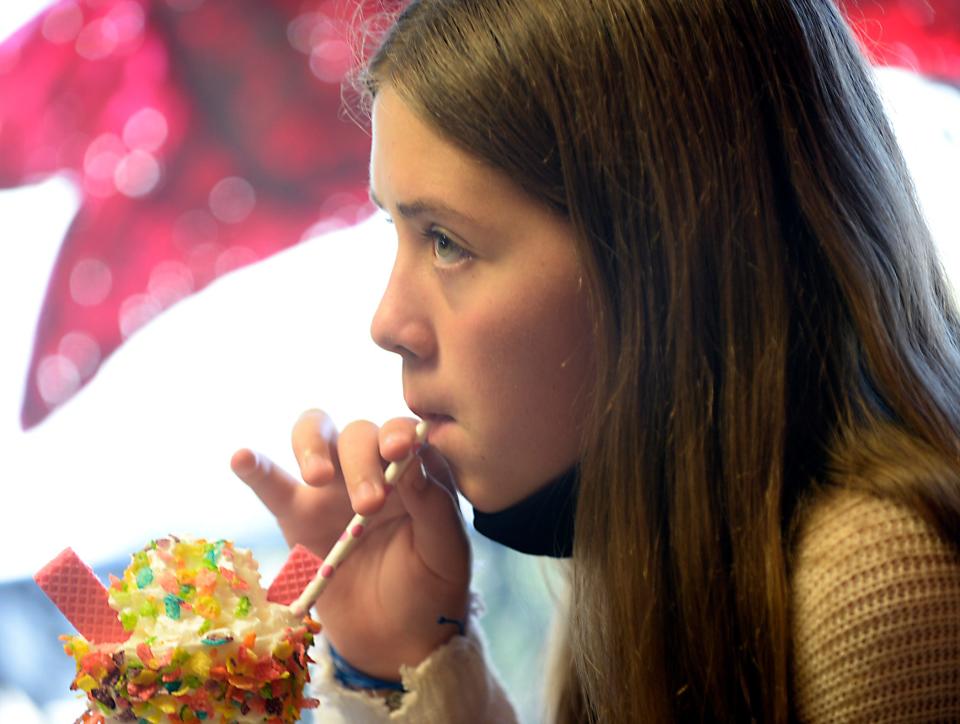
[541,524]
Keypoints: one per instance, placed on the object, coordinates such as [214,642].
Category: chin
[482,500]
[474,494]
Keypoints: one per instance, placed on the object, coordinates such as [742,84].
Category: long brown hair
[770,311]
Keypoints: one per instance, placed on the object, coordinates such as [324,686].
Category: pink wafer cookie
[297,572]
[81,597]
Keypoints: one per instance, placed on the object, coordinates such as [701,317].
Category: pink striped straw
[351,534]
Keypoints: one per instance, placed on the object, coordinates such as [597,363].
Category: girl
[664,294]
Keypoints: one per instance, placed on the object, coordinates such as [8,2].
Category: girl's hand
[412,564]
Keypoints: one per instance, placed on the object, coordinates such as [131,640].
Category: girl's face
[485,307]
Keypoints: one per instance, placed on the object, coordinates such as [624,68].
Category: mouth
[436,420]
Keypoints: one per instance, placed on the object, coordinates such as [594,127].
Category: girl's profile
[665,297]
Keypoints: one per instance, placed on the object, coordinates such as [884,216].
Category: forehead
[410,158]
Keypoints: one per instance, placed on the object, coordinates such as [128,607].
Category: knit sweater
[875,608]
[875,598]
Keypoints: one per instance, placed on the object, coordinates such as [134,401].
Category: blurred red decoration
[919,35]
[205,135]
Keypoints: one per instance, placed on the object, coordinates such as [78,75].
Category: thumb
[439,536]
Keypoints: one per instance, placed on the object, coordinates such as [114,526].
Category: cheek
[528,388]
[540,341]
[535,363]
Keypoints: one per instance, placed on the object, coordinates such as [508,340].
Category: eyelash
[435,236]
[438,237]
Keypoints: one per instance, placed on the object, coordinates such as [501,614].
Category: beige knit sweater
[876,615]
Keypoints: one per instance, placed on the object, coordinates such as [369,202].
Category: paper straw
[351,534]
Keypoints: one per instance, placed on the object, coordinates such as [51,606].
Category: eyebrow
[425,207]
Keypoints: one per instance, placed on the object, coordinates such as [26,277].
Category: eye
[445,249]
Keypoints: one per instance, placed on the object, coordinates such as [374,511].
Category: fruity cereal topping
[205,645]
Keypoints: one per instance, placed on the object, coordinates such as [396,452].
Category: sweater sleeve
[454,685]
[875,598]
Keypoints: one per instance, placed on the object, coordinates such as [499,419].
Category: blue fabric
[353,678]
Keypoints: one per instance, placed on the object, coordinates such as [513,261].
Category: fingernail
[366,491]
[247,467]
[308,457]
[393,439]
[315,466]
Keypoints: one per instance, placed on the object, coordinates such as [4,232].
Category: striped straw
[348,539]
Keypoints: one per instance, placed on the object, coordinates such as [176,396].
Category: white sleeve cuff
[452,685]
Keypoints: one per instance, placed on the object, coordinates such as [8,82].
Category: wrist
[350,677]
[353,678]
[370,659]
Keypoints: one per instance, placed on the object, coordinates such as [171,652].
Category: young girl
[663,292]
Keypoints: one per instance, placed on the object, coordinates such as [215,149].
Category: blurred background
[188,261]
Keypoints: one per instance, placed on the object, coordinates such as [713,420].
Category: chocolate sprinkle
[102,695]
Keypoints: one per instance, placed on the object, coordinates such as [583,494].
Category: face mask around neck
[541,524]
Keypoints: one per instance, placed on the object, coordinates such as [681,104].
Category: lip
[437,421]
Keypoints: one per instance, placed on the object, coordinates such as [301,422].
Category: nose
[401,323]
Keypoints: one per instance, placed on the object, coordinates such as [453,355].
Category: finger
[362,466]
[439,537]
[397,437]
[314,439]
[271,483]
